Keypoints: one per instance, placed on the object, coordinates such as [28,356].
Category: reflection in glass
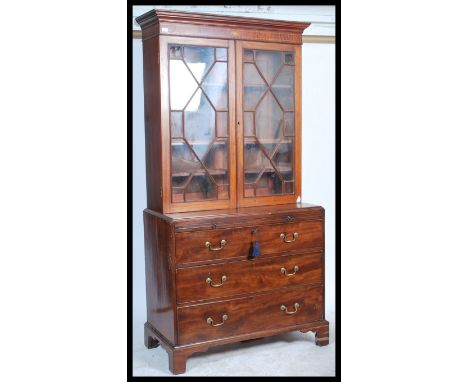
[283,159]
[182,84]
[215,85]
[176,124]
[289,124]
[289,187]
[217,159]
[269,120]
[222,124]
[254,158]
[268,184]
[183,160]
[175,52]
[254,87]
[248,55]
[249,124]
[199,60]
[289,58]
[268,63]
[283,87]
[200,187]
[221,54]
[199,123]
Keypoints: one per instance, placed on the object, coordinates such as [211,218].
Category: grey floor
[290,354]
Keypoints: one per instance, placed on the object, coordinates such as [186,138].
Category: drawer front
[289,237]
[192,246]
[246,276]
[250,314]
[206,245]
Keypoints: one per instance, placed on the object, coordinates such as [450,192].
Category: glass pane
[249,124]
[255,163]
[184,163]
[269,120]
[182,84]
[199,85]
[268,184]
[248,55]
[221,54]
[222,124]
[223,192]
[199,60]
[200,187]
[289,124]
[283,160]
[177,195]
[217,159]
[268,63]
[289,187]
[283,87]
[254,87]
[176,124]
[289,58]
[254,158]
[175,52]
[268,123]
[199,123]
[215,85]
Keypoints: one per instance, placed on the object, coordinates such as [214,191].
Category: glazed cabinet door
[268,123]
[198,123]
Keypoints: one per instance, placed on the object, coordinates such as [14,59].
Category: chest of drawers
[204,289]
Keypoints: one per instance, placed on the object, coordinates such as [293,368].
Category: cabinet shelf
[200,173]
[268,169]
[197,143]
[253,140]
[264,85]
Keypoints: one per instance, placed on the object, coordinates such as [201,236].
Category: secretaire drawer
[210,244]
[247,276]
[249,314]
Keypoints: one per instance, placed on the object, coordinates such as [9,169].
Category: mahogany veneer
[223,171]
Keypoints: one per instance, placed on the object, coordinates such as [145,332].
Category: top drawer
[207,245]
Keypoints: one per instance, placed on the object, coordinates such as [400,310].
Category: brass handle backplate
[283,237]
[210,321]
[285,310]
[222,243]
[284,271]
[209,281]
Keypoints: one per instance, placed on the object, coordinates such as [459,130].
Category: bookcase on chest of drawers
[230,255]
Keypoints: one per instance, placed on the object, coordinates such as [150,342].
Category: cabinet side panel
[159,279]
[152,123]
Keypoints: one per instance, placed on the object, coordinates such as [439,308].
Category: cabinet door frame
[275,199]
[168,205]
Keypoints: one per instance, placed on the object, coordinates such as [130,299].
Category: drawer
[247,276]
[211,244]
[233,317]
[192,246]
[292,236]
